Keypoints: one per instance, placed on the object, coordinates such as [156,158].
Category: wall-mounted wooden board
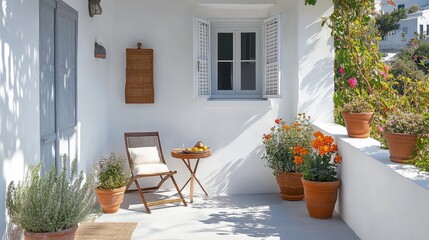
[139,87]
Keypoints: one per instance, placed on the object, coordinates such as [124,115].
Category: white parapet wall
[379,199]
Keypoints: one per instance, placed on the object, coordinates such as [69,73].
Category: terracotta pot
[110,199]
[401,146]
[358,124]
[290,185]
[320,198]
[67,234]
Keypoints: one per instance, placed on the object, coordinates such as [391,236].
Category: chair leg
[129,183]
[142,197]
[180,193]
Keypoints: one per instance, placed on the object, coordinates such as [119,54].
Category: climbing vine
[361,75]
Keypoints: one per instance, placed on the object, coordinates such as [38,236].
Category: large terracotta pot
[110,199]
[320,198]
[290,185]
[358,124]
[67,234]
[401,146]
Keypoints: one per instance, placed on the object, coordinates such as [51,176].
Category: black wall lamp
[94,7]
[99,51]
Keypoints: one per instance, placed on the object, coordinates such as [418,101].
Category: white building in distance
[415,24]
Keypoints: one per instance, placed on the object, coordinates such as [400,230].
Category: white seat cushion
[144,155]
[150,168]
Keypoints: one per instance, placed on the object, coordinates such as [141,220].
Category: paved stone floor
[257,216]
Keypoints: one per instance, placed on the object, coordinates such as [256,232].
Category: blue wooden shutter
[66,51]
[48,145]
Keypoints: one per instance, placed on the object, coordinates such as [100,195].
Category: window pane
[224,76]
[248,76]
[248,47]
[225,46]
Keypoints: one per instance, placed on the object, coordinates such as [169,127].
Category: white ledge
[240,103]
[371,147]
[237,2]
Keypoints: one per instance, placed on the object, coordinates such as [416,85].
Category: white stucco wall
[232,129]
[19,92]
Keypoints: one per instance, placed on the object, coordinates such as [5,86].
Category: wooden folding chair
[146,160]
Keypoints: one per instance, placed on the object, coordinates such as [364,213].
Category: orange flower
[296,149]
[298,160]
[297,124]
[328,139]
[267,136]
[303,151]
[334,148]
[338,159]
[286,127]
[318,135]
[277,120]
[316,143]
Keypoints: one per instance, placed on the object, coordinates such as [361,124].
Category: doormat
[105,231]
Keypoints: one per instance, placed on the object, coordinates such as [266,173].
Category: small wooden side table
[186,158]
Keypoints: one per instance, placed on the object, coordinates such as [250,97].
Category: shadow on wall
[242,175]
[18,97]
[317,86]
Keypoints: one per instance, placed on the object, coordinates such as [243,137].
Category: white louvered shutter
[201,57]
[272,41]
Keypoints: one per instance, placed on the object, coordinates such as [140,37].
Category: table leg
[187,162]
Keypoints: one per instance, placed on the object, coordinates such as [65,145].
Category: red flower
[277,121]
[267,136]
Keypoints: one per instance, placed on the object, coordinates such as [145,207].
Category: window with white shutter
[201,57]
[272,33]
[237,59]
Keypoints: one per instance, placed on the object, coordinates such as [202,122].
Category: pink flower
[341,70]
[352,82]
[380,129]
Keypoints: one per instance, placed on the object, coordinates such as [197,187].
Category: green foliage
[279,143]
[310,2]
[414,8]
[390,21]
[421,155]
[356,50]
[51,202]
[110,172]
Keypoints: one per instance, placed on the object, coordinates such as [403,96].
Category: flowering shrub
[321,163]
[405,122]
[110,172]
[357,106]
[282,139]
